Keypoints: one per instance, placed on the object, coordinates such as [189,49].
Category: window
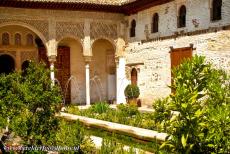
[216,10]
[155,21]
[133,28]
[17,39]
[5,39]
[30,39]
[182,17]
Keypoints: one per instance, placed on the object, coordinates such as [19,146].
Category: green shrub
[132,91]
[100,107]
[73,109]
[72,134]
[11,97]
[162,114]
[201,97]
[161,110]
[30,102]
[127,110]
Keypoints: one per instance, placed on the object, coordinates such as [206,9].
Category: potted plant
[132,92]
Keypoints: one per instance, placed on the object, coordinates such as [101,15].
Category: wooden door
[62,67]
[178,55]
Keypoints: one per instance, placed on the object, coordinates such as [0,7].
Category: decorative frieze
[99,29]
[40,25]
[29,55]
[12,53]
[69,29]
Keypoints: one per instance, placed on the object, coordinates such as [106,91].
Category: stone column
[87,79]
[87,52]
[52,53]
[52,60]
[121,80]
[120,66]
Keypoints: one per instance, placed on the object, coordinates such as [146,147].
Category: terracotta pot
[132,101]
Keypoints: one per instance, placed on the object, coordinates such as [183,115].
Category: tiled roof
[116,6]
[103,2]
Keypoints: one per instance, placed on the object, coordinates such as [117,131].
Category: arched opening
[5,39]
[29,39]
[216,10]
[155,21]
[182,17]
[134,76]
[25,65]
[19,48]
[17,39]
[133,28]
[70,66]
[103,71]
[7,64]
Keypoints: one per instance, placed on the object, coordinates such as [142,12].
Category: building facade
[98,47]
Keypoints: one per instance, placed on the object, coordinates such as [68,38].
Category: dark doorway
[7,64]
[134,76]
[25,65]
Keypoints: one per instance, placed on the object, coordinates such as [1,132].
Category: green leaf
[198,113]
[184,105]
[184,141]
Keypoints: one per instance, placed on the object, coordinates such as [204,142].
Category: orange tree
[202,98]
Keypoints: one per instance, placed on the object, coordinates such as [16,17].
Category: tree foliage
[202,98]
[30,102]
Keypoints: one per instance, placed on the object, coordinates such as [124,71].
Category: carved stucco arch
[77,39]
[21,24]
[9,54]
[111,41]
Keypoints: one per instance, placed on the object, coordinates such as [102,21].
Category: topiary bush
[132,91]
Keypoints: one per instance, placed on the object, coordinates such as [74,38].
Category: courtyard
[122,76]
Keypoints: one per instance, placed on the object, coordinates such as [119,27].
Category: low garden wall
[139,133]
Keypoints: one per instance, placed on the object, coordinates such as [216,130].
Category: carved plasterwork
[40,25]
[128,72]
[29,55]
[69,29]
[12,53]
[100,30]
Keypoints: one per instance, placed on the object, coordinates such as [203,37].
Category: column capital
[52,58]
[120,47]
[51,47]
[88,59]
